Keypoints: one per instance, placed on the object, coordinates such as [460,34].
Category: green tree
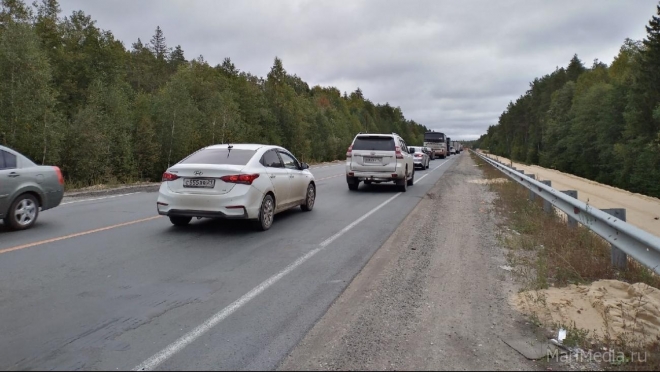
[176,59]
[146,145]
[27,118]
[645,93]
[140,72]
[290,122]
[575,68]
[14,11]
[177,117]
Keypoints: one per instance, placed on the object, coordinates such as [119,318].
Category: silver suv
[376,158]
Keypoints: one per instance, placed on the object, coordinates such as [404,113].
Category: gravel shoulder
[432,297]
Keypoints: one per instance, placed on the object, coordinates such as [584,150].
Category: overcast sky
[450,65]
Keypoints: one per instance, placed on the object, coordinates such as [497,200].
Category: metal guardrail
[631,240]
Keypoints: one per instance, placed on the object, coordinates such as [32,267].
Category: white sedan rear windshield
[220,156]
[374,143]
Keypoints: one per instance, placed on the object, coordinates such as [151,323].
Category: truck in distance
[436,141]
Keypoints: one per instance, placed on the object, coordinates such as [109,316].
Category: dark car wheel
[310,198]
[180,220]
[353,183]
[23,212]
[403,184]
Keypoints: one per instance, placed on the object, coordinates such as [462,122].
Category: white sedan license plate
[199,183]
[372,160]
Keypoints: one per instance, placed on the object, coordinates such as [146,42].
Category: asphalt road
[106,284]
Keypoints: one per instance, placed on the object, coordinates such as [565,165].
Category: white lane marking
[433,170]
[105,197]
[327,178]
[327,166]
[198,331]
[191,336]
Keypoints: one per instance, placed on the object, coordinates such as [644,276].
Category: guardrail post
[532,195]
[619,258]
[572,222]
[547,206]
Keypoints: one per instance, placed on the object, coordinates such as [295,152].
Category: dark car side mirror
[412,150]
[304,166]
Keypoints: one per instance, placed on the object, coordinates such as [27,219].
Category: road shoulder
[432,297]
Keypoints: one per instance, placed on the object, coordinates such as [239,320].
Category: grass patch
[566,255]
[100,184]
[545,252]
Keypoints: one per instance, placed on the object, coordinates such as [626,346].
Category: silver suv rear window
[374,143]
[220,156]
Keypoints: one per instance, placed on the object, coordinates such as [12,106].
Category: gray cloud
[452,66]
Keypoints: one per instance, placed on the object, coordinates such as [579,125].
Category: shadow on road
[222,227]
[383,188]
[38,225]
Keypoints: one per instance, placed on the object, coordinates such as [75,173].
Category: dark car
[26,188]
[428,151]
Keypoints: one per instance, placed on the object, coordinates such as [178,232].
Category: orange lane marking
[75,235]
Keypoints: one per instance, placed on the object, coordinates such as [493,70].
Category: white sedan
[241,181]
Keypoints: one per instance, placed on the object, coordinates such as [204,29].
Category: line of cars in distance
[378,158]
[230,181]
[441,145]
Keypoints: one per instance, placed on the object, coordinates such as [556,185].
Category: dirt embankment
[432,297]
[606,308]
[641,210]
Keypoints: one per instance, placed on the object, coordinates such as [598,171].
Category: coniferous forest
[74,96]
[599,122]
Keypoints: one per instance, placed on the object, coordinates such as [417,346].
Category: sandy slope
[605,307]
[641,210]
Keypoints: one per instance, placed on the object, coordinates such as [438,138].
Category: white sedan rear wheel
[310,198]
[266,213]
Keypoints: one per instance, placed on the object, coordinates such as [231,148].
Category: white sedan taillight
[169,177]
[244,179]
